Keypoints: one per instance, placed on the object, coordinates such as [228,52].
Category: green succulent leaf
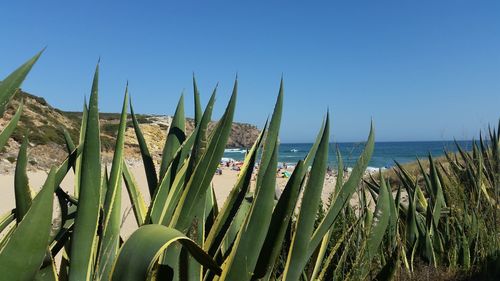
[140,253]
[66,165]
[112,204]
[6,219]
[70,145]
[21,184]
[84,240]
[298,253]
[78,158]
[271,136]
[234,200]
[201,137]
[175,137]
[344,194]
[23,253]
[199,182]
[136,198]
[147,160]
[48,272]
[248,244]
[280,220]
[9,129]
[197,103]
[11,83]
[243,257]
[380,221]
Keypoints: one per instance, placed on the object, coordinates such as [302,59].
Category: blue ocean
[384,154]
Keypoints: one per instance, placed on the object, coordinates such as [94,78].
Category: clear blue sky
[423,70]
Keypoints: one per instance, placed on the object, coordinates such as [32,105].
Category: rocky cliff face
[242,134]
[45,124]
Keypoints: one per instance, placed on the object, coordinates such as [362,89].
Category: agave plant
[182,205]
[451,215]
[183,235]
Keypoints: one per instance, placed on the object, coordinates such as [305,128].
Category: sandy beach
[222,185]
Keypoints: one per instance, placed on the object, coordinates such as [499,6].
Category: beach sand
[222,186]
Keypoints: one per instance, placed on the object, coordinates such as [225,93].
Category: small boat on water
[294,150]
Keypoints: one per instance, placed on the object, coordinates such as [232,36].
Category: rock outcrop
[45,124]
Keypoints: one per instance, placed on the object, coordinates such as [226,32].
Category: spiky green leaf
[147,160]
[140,253]
[175,137]
[243,257]
[345,193]
[136,198]
[112,205]
[11,83]
[25,248]
[83,246]
[205,170]
[9,129]
[298,253]
[21,183]
[234,199]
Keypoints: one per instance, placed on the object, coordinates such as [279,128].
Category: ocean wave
[227,159]
[369,169]
[375,169]
[235,150]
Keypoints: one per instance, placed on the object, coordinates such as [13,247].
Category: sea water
[384,155]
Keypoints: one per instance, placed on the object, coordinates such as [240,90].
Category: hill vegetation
[45,125]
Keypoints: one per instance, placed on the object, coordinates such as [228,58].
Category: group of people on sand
[283,171]
[229,163]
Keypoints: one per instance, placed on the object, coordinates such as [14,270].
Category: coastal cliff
[45,124]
